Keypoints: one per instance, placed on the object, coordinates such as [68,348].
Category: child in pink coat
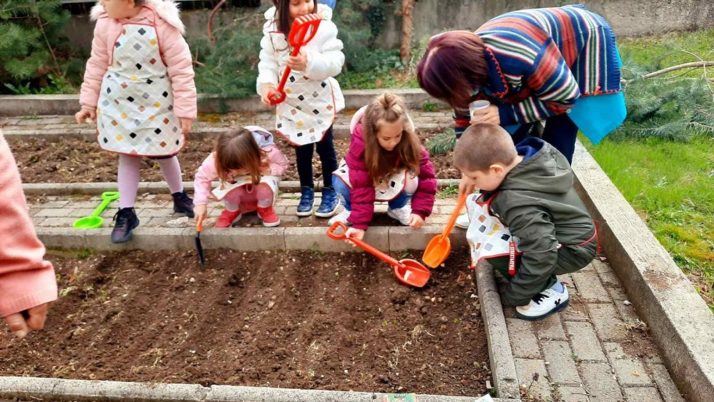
[27,281]
[248,165]
[139,87]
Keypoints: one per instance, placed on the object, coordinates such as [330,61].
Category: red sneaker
[226,219]
[269,217]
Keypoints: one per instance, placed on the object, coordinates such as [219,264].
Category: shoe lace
[539,298]
[121,217]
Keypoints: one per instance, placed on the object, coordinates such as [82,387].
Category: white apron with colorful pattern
[308,110]
[135,108]
[386,189]
[487,236]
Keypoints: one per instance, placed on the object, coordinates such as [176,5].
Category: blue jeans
[344,193]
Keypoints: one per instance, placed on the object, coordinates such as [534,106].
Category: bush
[32,46]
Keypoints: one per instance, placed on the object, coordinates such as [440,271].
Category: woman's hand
[487,115]
[85,115]
[353,233]
[200,211]
[22,323]
[298,63]
[416,221]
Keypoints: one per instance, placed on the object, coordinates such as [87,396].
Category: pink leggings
[248,196]
[128,177]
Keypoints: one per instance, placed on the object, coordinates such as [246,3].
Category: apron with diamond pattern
[308,110]
[387,189]
[135,108]
[488,238]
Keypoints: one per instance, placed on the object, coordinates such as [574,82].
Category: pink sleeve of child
[205,174]
[26,279]
[179,62]
[278,162]
[97,65]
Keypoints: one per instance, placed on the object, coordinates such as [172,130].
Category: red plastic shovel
[301,32]
[408,271]
[439,246]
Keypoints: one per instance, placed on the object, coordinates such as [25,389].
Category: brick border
[85,390]
[24,105]
[678,318]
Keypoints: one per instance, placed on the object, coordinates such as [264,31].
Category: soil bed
[70,159]
[301,319]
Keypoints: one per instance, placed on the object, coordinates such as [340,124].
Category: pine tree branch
[697,64]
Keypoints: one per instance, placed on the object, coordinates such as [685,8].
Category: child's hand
[487,115]
[22,323]
[84,114]
[200,211]
[265,92]
[353,233]
[466,185]
[298,63]
[416,221]
[185,126]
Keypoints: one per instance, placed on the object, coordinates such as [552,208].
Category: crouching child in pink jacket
[248,166]
[385,162]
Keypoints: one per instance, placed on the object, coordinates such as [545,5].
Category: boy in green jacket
[529,200]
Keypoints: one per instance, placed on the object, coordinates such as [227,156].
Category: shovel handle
[301,32]
[457,211]
[332,233]
[199,226]
[107,198]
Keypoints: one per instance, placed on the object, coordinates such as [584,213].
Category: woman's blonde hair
[237,149]
[380,162]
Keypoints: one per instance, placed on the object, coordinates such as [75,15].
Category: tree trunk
[406,47]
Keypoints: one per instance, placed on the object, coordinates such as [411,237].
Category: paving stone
[51,212]
[587,268]
[561,365]
[576,311]
[523,340]
[568,281]
[572,394]
[550,328]
[631,372]
[586,345]
[617,293]
[664,382]
[58,222]
[406,238]
[154,212]
[601,267]
[600,382]
[642,394]
[533,379]
[614,351]
[79,212]
[607,322]
[55,204]
[589,287]
[627,312]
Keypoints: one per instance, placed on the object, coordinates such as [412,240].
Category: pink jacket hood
[166,9]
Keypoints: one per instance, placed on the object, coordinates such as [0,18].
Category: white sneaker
[403,214]
[463,221]
[340,217]
[543,304]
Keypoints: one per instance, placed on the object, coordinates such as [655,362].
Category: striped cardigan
[540,61]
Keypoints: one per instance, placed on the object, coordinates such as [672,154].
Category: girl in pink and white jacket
[27,280]
[385,162]
[313,96]
[139,86]
[249,166]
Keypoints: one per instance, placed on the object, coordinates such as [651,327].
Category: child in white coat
[313,96]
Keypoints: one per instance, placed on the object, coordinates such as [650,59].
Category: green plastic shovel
[94,220]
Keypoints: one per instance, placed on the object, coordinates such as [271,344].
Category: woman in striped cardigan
[533,66]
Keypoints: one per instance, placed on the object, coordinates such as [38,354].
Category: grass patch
[671,185]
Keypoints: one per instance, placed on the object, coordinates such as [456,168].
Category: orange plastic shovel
[408,271]
[439,247]
[301,32]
